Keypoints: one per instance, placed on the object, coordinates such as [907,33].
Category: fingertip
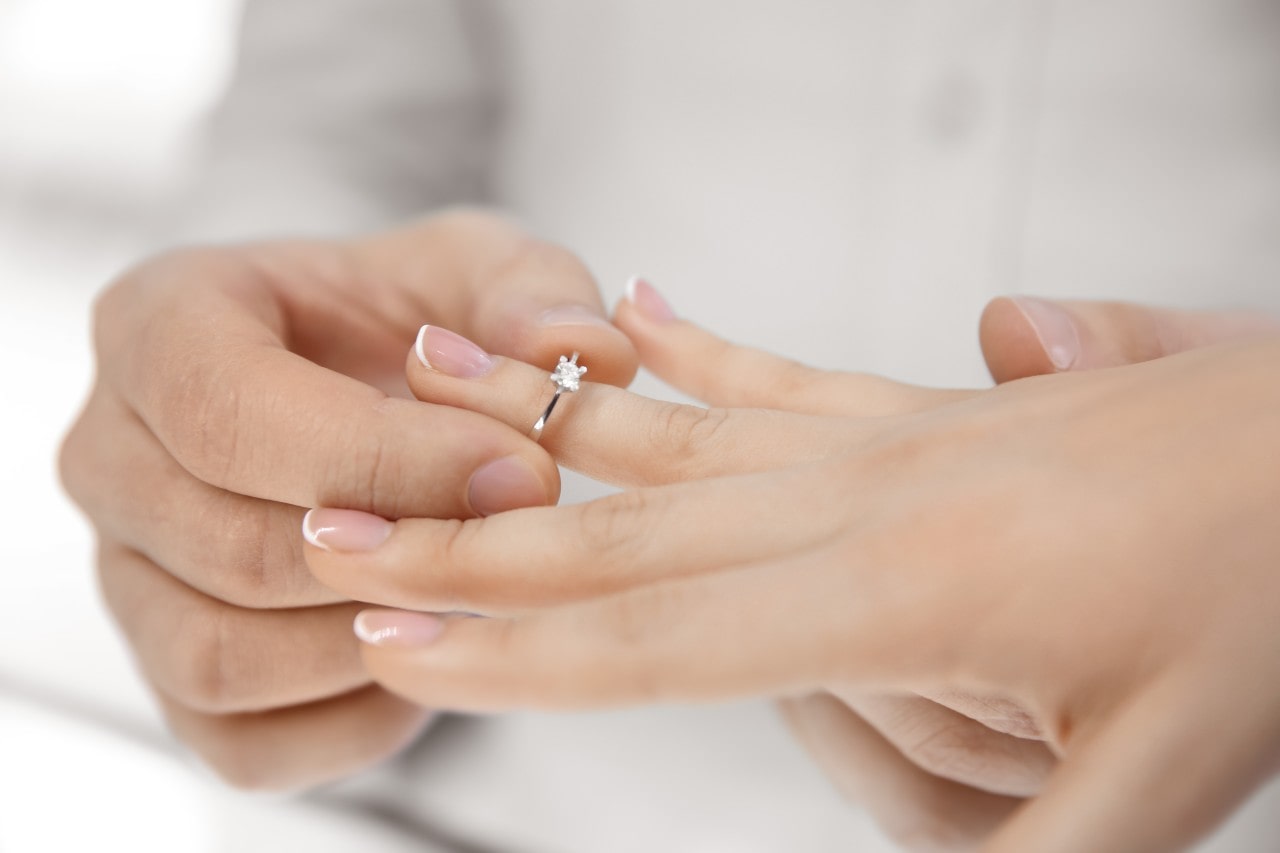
[610,355]
[648,302]
[1010,344]
[539,335]
[651,325]
[397,628]
[510,482]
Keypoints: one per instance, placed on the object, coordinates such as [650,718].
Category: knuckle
[761,378]
[369,477]
[120,298]
[632,623]
[633,616]
[203,419]
[251,563]
[951,752]
[73,463]
[452,586]
[111,584]
[614,527]
[688,431]
[525,684]
[111,302]
[199,413]
[193,405]
[643,614]
[792,379]
[201,669]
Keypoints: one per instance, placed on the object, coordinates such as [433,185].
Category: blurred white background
[100,104]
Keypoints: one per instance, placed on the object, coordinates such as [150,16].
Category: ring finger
[611,434]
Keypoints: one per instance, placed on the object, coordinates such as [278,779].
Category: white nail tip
[419,347]
[630,289]
[310,534]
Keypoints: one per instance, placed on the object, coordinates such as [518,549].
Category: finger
[1148,779]
[720,373]
[205,368]
[1027,336]
[991,710]
[300,746]
[951,746]
[241,550]
[515,561]
[613,435]
[764,630]
[917,809]
[216,658]
[518,296]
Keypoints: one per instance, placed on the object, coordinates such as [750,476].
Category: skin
[854,547]
[237,386]
[200,560]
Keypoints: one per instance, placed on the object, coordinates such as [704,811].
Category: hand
[236,385]
[918,800]
[935,799]
[867,528]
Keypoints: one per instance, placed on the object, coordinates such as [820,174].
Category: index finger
[196,343]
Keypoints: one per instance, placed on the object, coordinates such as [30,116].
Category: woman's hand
[1097,549]
[236,385]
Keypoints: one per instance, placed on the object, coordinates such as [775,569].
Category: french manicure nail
[505,483]
[397,628]
[1054,327]
[451,354]
[345,530]
[571,315]
[648,301]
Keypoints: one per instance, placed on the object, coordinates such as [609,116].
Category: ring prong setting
[568,374]
[567,377]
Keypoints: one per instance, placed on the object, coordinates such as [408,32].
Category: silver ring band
[567,378]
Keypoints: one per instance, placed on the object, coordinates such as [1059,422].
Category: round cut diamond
[568,374]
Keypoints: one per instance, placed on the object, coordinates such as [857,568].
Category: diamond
[568,374]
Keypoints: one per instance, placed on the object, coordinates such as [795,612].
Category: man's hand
[237,385]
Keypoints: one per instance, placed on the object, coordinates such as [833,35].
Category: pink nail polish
[451,354]
[1055,329]
[345,530]
[402,629]
[506,483]
[648,301]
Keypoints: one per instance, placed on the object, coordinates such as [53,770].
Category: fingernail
[451,354]
[1055,329]
[345,529]
[506,483]
[648,301]
[397,628]
[572,315]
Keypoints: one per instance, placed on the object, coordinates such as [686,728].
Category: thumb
[1028,336]
[1157,776]
[484,277]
